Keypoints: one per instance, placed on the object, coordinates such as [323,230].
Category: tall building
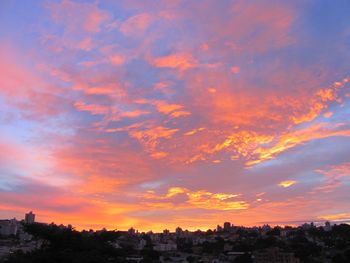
[227,226]
[29,218]
[132,231]
[8,227]
[327,227]
[178,231]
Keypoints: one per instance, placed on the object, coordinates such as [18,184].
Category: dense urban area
[29,241]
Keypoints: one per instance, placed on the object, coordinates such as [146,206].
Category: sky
[158,114]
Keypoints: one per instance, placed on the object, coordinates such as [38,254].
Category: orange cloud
[287,183]
[292,139]
[166,108]
[194,131]
[178,61]
[173,110]
[152,82]
[336,217]
[159,155]
[173,191]
[151,137]
[92,108]
[177,114]
[154,133]
[197,199]
[98,183]
[319,102]
[209,200]
[134,114]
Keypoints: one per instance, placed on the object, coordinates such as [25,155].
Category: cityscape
[29,241]
[174,131]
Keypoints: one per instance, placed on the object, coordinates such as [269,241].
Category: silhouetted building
[178,231]
[275,255]
[29,218]
[141,245]
[8,227]
[227,226]
[131,231]
[265,228]
[169,246]
[327,227]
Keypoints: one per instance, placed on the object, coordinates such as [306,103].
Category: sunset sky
[158,114]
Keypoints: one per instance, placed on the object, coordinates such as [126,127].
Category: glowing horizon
[158,114]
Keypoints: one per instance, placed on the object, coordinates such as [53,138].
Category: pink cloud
[335,176]
[76,15]
[136,24]
[23,88]
[117,59]
[85,44]
[235,70]
[92,108]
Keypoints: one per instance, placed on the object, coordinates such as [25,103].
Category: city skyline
[29,218]
[159,114]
